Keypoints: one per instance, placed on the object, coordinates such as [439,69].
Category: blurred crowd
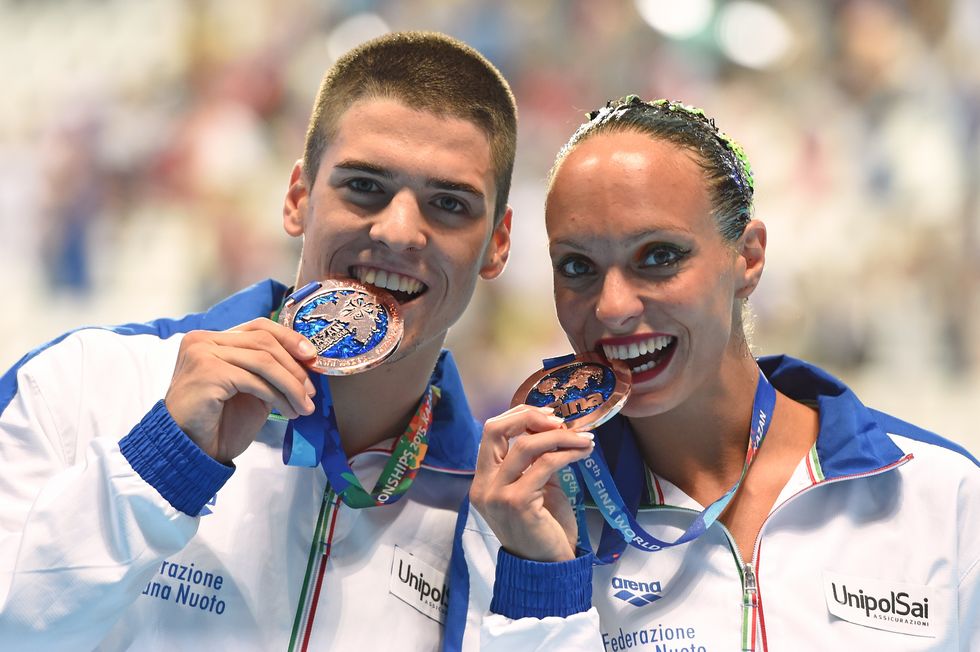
[145,148]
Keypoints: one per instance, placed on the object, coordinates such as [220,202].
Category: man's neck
[377,404]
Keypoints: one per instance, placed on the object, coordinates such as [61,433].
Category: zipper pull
[748,573]
[749,604]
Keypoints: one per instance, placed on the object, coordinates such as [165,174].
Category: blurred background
[145,148]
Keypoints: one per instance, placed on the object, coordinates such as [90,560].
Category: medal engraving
[352,326]
[585,392]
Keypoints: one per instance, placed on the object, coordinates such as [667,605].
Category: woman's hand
[516,489]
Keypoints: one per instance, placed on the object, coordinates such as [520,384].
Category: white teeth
[387,280]
[643,367]
[636,349]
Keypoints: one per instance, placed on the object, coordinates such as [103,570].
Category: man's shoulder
[103,353]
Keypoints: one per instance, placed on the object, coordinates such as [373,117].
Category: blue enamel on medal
[585,390]
[352,326]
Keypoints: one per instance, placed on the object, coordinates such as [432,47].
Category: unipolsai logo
[886,604]
[419,585]
[638,594]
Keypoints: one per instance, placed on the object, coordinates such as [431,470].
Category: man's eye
[449,204]
[363,185]
[662,256]
[573,267]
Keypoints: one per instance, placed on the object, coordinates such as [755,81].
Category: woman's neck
[700,444]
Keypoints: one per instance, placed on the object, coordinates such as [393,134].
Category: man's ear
[498,249]
[751,258]
[295,204]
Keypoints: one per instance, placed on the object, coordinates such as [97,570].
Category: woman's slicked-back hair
[723,160]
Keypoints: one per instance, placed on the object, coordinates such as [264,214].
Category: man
[145,502]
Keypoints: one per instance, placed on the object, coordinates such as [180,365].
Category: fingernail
[586,435]
[310,389]
[306,348]
[308,404]
[556,419]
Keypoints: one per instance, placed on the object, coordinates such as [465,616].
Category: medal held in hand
[584,390]
[352,326]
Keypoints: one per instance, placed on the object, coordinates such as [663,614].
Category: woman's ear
[294,205]
[751,258]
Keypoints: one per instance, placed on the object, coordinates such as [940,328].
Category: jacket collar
[850,439]
[455,435]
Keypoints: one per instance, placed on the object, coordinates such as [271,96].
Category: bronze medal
[353,327]
[586,391]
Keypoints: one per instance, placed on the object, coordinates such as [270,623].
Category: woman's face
[641,272]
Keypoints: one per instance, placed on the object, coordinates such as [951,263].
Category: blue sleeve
[171,463]
[524,588]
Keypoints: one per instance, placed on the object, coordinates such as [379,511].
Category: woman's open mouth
[645,355]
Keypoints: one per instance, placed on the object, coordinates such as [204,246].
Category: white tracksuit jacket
[92,556]
[874,544]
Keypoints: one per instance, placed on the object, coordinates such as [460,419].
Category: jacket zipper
[316,569]
[758,613]
[753,620]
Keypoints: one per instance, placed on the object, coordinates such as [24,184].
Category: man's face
[403,200]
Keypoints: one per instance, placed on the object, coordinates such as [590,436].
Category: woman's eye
[573,267]
[662,256]
[449,204]
[363,185]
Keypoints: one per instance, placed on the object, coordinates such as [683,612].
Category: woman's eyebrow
[629,239]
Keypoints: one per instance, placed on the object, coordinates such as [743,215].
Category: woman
[829,525]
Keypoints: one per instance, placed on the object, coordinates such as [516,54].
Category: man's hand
[225,384]
[516,489]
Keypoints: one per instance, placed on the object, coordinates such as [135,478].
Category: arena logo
[638,594]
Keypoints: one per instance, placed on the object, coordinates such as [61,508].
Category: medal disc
[353,327]
[585,392]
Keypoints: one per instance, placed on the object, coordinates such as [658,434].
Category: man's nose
[400,225]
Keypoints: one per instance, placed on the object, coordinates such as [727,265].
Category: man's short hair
[426,71]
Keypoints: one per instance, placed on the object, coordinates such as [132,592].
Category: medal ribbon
[620,527]
[315,439]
